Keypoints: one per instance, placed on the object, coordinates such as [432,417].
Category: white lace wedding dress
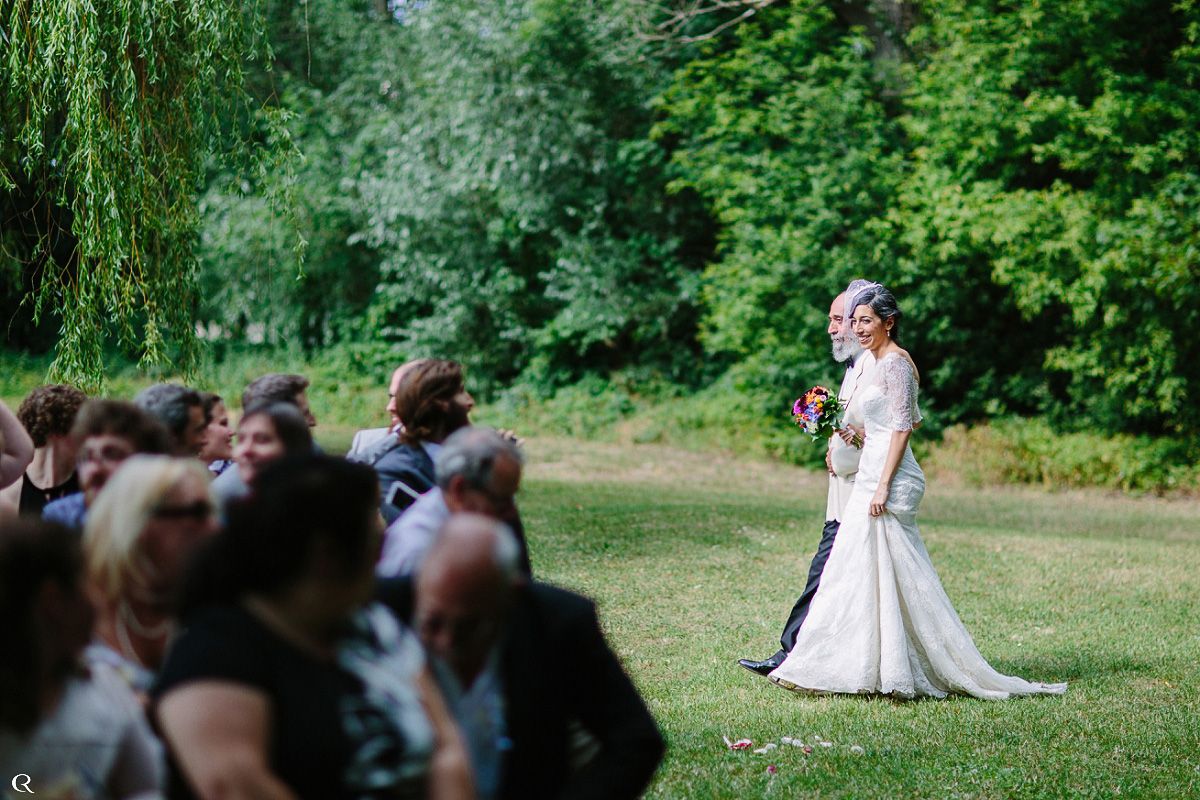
[881,621]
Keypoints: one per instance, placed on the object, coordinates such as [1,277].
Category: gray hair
[169,402]
[471,453]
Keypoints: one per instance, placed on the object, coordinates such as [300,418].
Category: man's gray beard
[845,348]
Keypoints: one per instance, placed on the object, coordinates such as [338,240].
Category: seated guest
[181,411]
[271,389]
[285,683]
[495,633]
[371,444]
[265,434]
[16,448]
[217,452]
[142,529]
[108,432]
[47,413]
[277,387]
[432,402]
[478,470]
[68,732]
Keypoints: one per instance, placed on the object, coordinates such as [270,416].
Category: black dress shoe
[764,667]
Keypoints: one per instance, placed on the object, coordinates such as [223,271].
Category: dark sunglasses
[200,510]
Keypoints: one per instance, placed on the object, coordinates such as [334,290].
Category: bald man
[493,636]
[371,444]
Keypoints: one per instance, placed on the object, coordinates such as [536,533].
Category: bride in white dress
[881,621]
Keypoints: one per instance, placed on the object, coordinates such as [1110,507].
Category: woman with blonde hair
[140,533]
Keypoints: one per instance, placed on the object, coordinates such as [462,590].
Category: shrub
[1015,450]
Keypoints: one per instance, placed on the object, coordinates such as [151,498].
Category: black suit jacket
[409,464]
[557,669]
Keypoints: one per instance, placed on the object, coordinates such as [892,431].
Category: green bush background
[616,232]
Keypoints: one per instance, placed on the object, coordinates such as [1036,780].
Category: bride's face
[872,332]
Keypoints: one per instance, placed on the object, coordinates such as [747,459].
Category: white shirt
[845,457]
[97,737]
[479,711]
[409,537]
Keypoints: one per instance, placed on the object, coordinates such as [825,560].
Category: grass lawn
[696,559]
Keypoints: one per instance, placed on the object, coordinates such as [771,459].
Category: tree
[520,211]
[1052,186]
[1027,186]
[107,110]
[785,134]
[334,70]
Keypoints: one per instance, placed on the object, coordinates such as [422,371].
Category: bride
[881,621]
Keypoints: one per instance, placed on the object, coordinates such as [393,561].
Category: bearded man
[841,459]
[430,403]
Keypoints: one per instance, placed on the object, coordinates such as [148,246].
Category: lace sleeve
[900,386]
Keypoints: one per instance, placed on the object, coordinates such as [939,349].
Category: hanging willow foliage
[108,112]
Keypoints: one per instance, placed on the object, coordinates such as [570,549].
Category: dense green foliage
[1054,153]
[1027,186]
[107,110]
[787,138]
[536,190]
[478,182]
[333,63]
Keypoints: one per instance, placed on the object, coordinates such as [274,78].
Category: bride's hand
[851,436]
[879,501]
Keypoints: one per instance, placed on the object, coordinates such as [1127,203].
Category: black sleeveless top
[33,499]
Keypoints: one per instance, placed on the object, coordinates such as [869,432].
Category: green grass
[696,557]
[695,560]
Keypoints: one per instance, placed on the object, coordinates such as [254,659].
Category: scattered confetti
[762,751]
[772,769]
[806,749]
[740,744]
[786,740]
[858,751]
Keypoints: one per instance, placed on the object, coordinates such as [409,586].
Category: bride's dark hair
[883,304]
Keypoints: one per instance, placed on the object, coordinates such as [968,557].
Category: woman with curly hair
[47,413]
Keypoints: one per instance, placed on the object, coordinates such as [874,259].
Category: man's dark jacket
[556,668]
[412,466]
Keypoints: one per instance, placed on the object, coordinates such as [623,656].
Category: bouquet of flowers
[818,411]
